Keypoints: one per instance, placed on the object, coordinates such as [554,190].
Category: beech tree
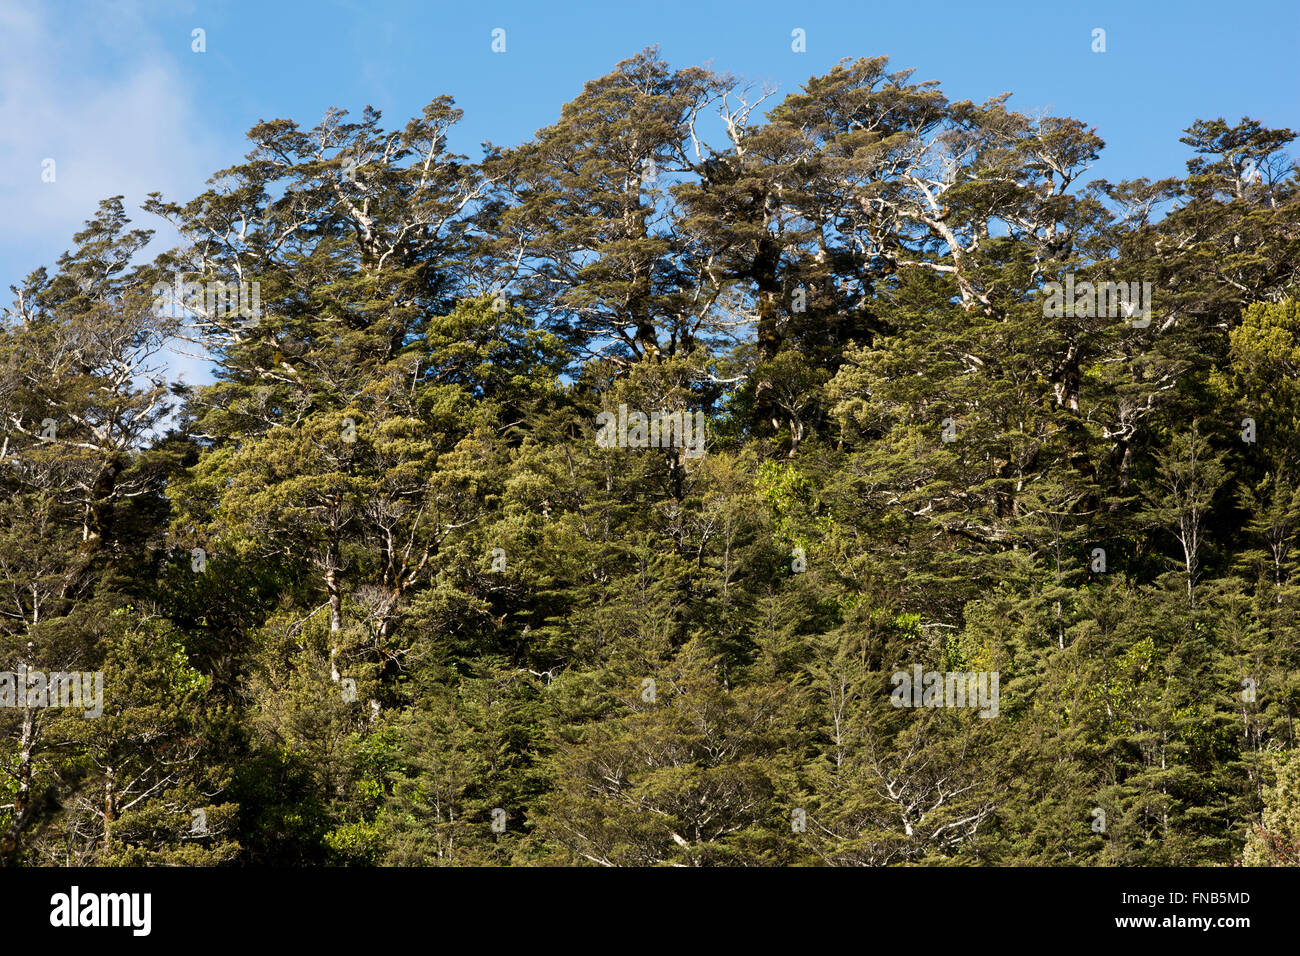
[383,592]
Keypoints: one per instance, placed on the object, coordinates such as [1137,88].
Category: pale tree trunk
[110,804]
[23,796]
[336,606]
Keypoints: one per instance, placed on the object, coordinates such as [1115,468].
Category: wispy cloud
[102,96]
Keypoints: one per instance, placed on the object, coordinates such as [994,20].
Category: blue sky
[114,94]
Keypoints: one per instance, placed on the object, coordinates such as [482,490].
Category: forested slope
[393,591]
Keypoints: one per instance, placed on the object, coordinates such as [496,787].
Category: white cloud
[100,96]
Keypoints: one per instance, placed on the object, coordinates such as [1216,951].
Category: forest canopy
[715,478]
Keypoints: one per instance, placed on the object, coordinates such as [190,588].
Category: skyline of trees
[377,594]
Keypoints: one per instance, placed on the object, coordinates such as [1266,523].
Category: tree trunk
[110,804]
[23,797]
[336,606]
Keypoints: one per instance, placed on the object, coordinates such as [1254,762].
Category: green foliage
[378,596]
